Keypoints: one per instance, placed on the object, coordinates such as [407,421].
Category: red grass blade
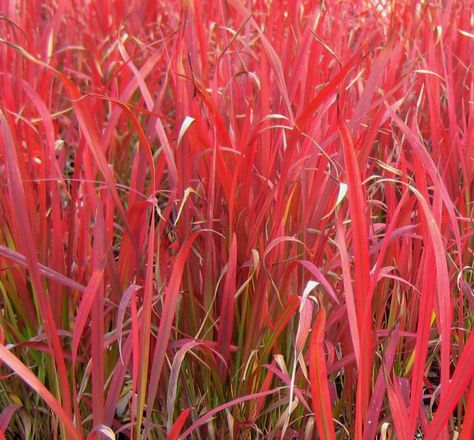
[357,209]
[398,409]
[227,306]
[462,376]
[29,378]
[178,425]
[97,321]
[145,325]
[327,91]
[319,380]
[348,290]
[467,431]
[203,419]
[27,243]
[85,307]
[169,308]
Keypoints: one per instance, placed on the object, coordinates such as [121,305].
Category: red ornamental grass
[236,219]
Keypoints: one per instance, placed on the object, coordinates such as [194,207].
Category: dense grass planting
[236,219]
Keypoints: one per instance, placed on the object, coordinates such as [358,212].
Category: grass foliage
[236,219]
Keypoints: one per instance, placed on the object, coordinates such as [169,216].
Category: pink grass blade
[6,415]
[378,394]
[305,318]
[47,272]
[287,380]
[320,278]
